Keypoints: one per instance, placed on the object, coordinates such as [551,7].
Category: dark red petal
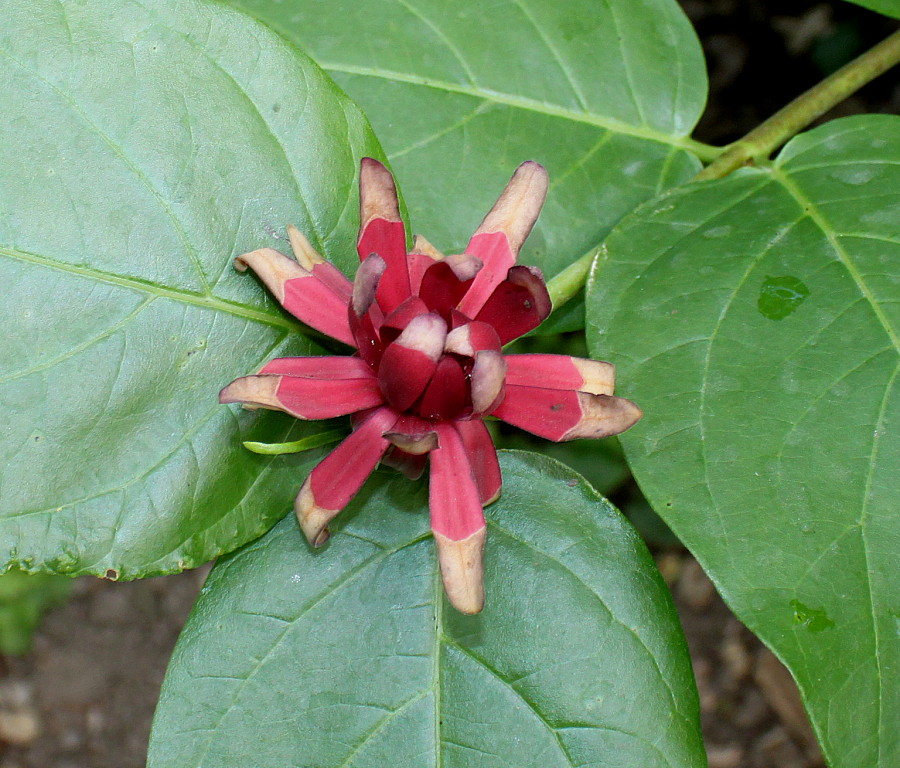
[407,365]
[300,292]
[366,337]
[565,415]
[423,255]
[363,313]
[318,367]
[441,288]
[471,338]
[560,372]
[305,398]
[457,521]
[482,458]
[488,374]
[336,478]
[410,465]
[446,395]
[500,236]
[381,231]
[395,322]
[366,282]
[310,260]
[413,435]
[457,318]
[519,304]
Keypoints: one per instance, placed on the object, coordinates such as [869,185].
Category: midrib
[173,294]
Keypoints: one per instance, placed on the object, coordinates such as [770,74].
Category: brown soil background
[84,696]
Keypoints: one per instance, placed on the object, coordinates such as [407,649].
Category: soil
[84,696]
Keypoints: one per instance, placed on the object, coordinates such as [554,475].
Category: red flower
[428,331]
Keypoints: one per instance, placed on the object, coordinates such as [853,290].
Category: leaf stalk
[794,117]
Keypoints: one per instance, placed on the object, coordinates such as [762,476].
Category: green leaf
[144,145]
[887,7]
[23,600]
[350,656]
[602,92]
[755,320]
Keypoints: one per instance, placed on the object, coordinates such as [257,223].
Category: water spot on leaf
[722,231]
[780,296]
[814,619]
[854,176]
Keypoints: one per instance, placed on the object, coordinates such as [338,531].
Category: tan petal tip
[598,378]
[306,255]
[415,444]
[421,245]
[461,570]
[519,204]
[377,192]
[253,391]
[272,267]
[313,519]
[602,416]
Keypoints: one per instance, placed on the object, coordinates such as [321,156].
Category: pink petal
[318,367]
[453,500]
[310,260]
[381,231]
[565,415]
[500,236]
[300,292]
[305,398]
[488,374]
[518,304]
[457,521]
[560,372]
[446,395]
[482,458]
[336,478]
[407,364]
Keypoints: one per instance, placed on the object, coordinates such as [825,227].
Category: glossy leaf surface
[144,145]
[602,92]
[887,7]
[350,656]
[755,320]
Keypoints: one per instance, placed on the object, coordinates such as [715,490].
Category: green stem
[761,141]
[790,120]
[567,283]
[304,444]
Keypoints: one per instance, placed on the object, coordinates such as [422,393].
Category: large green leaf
[755,320]
[887,7]
[350,656]
[603,92]
[143,145]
